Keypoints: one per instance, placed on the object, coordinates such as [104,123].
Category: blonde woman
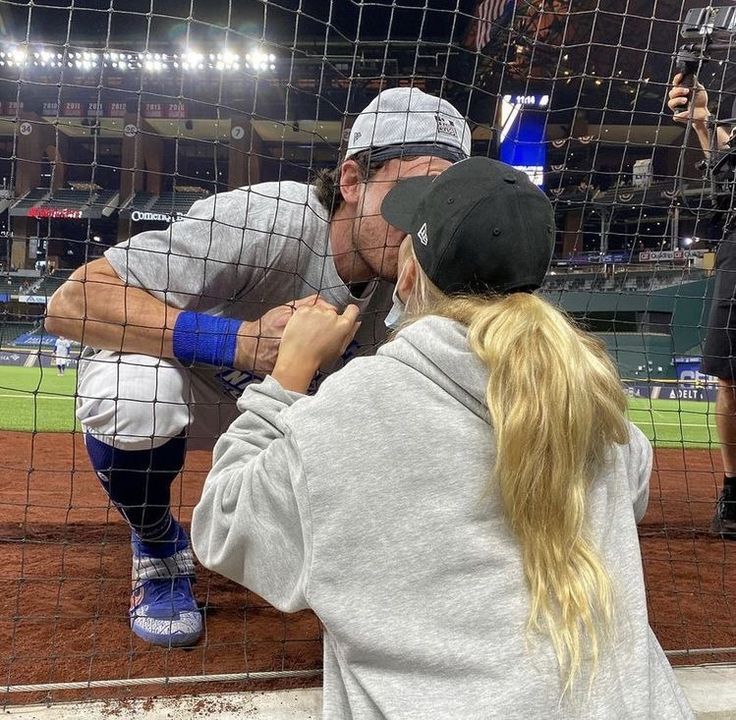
[460,510]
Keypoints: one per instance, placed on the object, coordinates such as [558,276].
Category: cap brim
[399,207]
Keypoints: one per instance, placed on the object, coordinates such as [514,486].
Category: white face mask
[396,313]
[398,309]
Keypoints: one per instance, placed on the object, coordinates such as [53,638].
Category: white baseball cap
[408,122]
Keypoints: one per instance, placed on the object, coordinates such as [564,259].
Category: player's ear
[351,178]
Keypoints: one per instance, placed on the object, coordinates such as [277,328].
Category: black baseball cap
[479,226]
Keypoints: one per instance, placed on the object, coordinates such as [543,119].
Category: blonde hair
[556,406]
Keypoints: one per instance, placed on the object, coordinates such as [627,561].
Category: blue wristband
[202,338]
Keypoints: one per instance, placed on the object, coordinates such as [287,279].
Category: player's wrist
[246,350]
[201,338]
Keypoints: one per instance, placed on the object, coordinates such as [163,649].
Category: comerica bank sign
[142,216]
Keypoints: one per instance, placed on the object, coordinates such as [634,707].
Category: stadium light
[19,56]
[224,60]
[258,60]
[227,60]
[153,65]
[192,60]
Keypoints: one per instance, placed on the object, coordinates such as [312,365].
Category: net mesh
[118,118]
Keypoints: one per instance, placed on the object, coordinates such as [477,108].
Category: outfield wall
[639,353]
[672,391]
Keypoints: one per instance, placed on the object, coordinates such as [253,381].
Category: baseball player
[62,351]
[459,510]
[177,322]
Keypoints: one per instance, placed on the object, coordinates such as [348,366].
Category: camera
[708,30]
[708,21]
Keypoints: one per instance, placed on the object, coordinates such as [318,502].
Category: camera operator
[719,349]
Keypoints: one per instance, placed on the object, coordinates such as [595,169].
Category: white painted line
[32,396]
[669,424]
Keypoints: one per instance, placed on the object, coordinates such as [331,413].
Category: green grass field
[675,423]
[36,399]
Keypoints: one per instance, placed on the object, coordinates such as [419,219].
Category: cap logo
[356,136]
[422,234]
[445,126]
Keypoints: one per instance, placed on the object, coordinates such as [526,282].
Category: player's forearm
[106,314]
[97,309]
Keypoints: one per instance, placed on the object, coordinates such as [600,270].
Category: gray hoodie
[364,504]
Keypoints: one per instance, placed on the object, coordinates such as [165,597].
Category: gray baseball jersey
[239,254]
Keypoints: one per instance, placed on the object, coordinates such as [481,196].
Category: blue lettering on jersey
[234,381]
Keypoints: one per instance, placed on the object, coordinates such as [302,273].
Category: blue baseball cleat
[163,610]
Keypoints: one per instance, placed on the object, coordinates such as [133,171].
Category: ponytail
[556,406]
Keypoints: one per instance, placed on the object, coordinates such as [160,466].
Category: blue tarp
[35,338]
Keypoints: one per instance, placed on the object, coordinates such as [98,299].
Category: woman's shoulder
[359,384]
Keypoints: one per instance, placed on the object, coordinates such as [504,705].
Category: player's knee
[134,405]
[132,424]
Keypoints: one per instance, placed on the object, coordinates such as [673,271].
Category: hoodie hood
[437,347]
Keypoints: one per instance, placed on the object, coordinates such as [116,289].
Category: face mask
[397,311]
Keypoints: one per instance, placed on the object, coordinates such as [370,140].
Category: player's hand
[258,341]
[316,335]
[678,99]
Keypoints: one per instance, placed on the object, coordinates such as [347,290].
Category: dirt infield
[65,577]
[690,575]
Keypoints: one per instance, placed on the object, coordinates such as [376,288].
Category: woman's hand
[315,335]
[258,341]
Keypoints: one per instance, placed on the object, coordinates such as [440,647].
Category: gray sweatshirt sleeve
[205,258]
[640,470]
[250,524]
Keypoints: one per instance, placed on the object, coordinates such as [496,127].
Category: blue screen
[523,143]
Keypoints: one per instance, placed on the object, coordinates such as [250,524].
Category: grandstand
[166,205]
[10,331]
[624,277]
[140,201]
[28,200]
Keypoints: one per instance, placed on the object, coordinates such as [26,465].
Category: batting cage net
[172,122]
